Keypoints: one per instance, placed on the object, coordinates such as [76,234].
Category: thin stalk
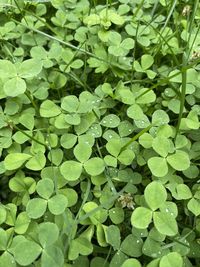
[135,137]
[32,138]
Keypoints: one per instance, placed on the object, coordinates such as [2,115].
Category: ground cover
[99,133]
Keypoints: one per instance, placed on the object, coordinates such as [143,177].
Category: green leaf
[27,120]
[3,239]
[57,204]
[6,259]
[114,146]
[131,263]
[52,256]
[135,250]
[179,161]
[116,215]
[115,18]
[7,69]
[45,188]
[71,170]
[48,233]
[22,223]
[135,112]
[146,140]
[78,246]
[2,214]
[155,195]
[29,68]
[158,166]
[165,223]
[126,157]
[98,262]
[49,109]
[194,206]
[110,161]
[110,121]
[146,61]
[141,217]
[183,192]
[171,259]
[15,160]
[37,162]
[68,140]
[94,166]
[118,259]
[73,119]
[82,152]
[152,248]
[14,87]
[154,263]
[96,217]
[26,252]
[113,237]
[92,19]
[161,145]
[36,208]
[160,117]
[70,103]
[147,97]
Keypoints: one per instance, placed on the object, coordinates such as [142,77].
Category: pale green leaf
[94,166]
[179,160]
[36,208]
[15,160]
[71,170]
[14,87]
[26,252]
[158,166]
[165,223]
[171,259]
[155,195]
[141,217]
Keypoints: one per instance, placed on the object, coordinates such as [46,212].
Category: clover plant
[99,133]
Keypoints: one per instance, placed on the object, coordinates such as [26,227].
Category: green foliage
[99,133]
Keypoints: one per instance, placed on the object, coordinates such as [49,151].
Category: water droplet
[138,241]
[113,211]
[172,213]
[159,252]
[141,234]
[110,136]
[144,249]
[129,130]
[104,121]
[167,210]
[13,261]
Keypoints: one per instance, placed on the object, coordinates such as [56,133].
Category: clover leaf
[158,166]
[155,195]
[117,46]
[141,217]
[15,160]
[26,252]
[71,170]
[172,258]
[179,161]
[94,166]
